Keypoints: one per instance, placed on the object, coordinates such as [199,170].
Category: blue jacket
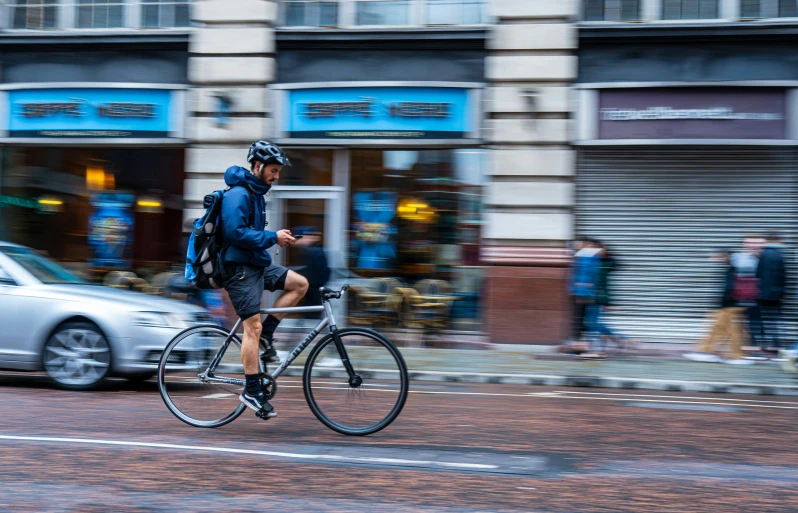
[584,279]
[248,244]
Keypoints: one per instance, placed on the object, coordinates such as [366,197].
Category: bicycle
[349,370]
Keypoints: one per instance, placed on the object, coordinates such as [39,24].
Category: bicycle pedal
[265,414]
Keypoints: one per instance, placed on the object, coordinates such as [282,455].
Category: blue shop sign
[379,113]
[100,113]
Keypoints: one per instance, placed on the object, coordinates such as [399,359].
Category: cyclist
[247,266]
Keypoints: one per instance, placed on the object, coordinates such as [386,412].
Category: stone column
[231,57]
[530,193]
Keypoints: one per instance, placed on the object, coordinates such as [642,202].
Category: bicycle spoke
[190,397]
[366,401]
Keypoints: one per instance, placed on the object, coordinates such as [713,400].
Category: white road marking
[675,397]
[217,396]
[274,454]
[709,402]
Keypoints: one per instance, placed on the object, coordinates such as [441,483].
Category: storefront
[93,172]
[666,175]
[391,173]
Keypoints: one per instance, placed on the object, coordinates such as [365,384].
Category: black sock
[253,384]
[269,325]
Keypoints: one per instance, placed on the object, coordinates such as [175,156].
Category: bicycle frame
[327,320]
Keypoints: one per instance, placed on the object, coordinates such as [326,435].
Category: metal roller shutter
[662,211]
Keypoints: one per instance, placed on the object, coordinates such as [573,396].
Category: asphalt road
[464,448]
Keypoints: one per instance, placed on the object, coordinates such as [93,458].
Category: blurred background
[447,153]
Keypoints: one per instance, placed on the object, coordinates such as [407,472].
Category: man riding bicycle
[248,268]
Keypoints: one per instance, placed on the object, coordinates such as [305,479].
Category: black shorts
[245,285]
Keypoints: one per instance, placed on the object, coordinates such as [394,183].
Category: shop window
[310,13]
[382,12]
[308,167]
[97,14]
[415,224]
[611,10]
[165,13]
[689,9]
[35,14]
[769,8]
[454,12]
[112,208]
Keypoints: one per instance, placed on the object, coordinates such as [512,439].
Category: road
[464,448]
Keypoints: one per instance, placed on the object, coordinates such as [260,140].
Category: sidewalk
[665,372]
[650,367]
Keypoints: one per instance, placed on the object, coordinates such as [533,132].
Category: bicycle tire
[163,389]
[403,380]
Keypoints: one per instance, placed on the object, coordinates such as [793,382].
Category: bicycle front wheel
[368,399]
[191,399]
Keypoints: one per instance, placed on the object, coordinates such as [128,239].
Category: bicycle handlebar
[333,294]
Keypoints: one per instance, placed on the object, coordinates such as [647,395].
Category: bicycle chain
[270,391]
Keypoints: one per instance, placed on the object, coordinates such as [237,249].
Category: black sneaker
[258,403]
[269,354]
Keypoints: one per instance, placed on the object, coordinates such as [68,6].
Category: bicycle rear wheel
[192,400]
[369,400]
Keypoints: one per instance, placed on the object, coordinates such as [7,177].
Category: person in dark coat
[772,276]
[314,264]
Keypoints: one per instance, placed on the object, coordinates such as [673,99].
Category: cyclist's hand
[284,238]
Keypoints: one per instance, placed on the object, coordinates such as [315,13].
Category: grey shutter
[663,210]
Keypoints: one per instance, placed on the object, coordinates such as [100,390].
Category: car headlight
[160,320]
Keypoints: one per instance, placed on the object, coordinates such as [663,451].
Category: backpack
[206,246]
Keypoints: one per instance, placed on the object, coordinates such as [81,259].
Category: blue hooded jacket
[248,244]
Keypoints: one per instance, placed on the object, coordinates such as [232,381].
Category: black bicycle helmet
[267,153]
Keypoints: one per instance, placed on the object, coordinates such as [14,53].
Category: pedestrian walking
[746,264]
[583,287]
[726,320]
[577,306]
[772,276]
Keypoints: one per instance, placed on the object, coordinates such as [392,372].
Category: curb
[664,385]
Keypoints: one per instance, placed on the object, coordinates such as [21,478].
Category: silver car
[77,332]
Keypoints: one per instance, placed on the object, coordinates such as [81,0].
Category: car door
[13,353]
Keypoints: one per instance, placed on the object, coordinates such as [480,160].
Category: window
[35,14]
[100,14]
[382,12]
[454,12]
[311,13]
[5,278]
[165,13]
[43,269]
[416,215]
[611,10]
[689,9]
[769,8]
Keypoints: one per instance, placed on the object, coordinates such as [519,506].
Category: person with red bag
[727,319]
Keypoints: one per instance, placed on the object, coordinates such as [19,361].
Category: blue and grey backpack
[206,245]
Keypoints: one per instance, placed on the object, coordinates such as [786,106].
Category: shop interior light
[51,202]
[415,210]
[95,178]
[149,204]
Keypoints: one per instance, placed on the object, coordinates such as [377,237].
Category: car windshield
[43,269]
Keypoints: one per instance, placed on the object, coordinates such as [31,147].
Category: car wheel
[77,356]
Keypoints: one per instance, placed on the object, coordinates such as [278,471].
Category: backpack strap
[252,209]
